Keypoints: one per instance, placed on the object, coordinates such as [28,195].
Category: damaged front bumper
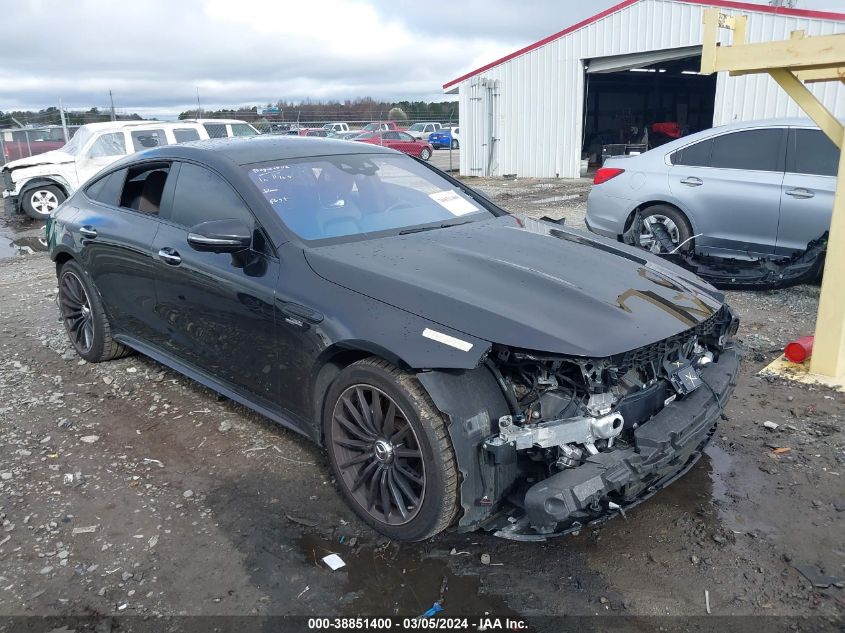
[664,448]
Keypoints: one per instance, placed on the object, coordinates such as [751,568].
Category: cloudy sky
[154,54]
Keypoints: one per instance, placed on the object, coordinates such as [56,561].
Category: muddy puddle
[12,245]
[400,581]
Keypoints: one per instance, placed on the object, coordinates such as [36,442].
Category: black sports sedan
[460,365]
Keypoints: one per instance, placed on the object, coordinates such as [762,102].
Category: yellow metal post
[789,63]
[828,357]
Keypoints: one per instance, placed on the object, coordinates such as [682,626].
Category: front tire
[390,451]
[455,144]
[40,202]
[84,318]
[425,153]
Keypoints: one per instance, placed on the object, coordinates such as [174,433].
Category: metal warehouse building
[539,110]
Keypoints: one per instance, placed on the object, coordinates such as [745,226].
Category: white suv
[38,184]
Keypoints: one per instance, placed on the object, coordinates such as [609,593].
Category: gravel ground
[127,489]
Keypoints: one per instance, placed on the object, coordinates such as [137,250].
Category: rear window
[106,190]
[695,155]
[811,152]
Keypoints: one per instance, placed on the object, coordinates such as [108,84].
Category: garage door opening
[640,101]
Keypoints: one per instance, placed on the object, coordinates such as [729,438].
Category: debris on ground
[434,610]
[817,577]
[334,561]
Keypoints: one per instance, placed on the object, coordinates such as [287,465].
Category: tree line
[362,109]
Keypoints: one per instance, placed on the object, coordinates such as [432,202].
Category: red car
[400,141]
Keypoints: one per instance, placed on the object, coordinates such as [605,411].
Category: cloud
[154,54]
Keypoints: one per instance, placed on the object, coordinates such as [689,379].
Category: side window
[390,136]
[215,130]
[696,155]
[243,129]
[404,136]
[185,134]
[111,144]
[756,150]
[144,188]
[145,139]
[201,195]
[107,189]
[811,152]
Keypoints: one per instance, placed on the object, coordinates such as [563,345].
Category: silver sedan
[741,190]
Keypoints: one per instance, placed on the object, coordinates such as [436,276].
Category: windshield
[75,145]
[417,127]
[360,195]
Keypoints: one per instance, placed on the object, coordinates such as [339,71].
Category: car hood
[525,283]
[52,157]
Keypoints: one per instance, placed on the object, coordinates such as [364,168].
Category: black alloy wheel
[378,455]
[390,451]
[84,317]
[75,308]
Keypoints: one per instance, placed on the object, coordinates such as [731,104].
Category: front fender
[39,181]
[471,400]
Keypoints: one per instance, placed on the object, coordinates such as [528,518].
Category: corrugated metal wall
[538,102]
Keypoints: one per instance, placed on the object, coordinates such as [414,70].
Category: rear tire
[84,318]
[425,153]
[390,451]
[673,221]
[455,144]
[39,202]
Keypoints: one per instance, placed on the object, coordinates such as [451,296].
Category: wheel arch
[330,363]
[653,203]
[61,256]
[40,181]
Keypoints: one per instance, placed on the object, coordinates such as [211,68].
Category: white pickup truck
[39,184]
[336,127]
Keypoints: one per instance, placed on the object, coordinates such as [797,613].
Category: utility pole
[199,110]
[111,100]
[64,121]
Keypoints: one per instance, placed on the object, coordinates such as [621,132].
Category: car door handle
[692,181]
[801,194]
[296,311]
[169,256]
[88,232]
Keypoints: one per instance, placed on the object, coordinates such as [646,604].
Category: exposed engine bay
[569,414]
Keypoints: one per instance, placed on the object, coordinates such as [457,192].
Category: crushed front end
[585,439]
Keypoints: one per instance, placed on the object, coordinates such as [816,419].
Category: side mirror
[220,236]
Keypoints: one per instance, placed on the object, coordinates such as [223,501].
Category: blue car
[446,137]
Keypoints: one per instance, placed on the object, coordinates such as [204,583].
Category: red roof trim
[723,4]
